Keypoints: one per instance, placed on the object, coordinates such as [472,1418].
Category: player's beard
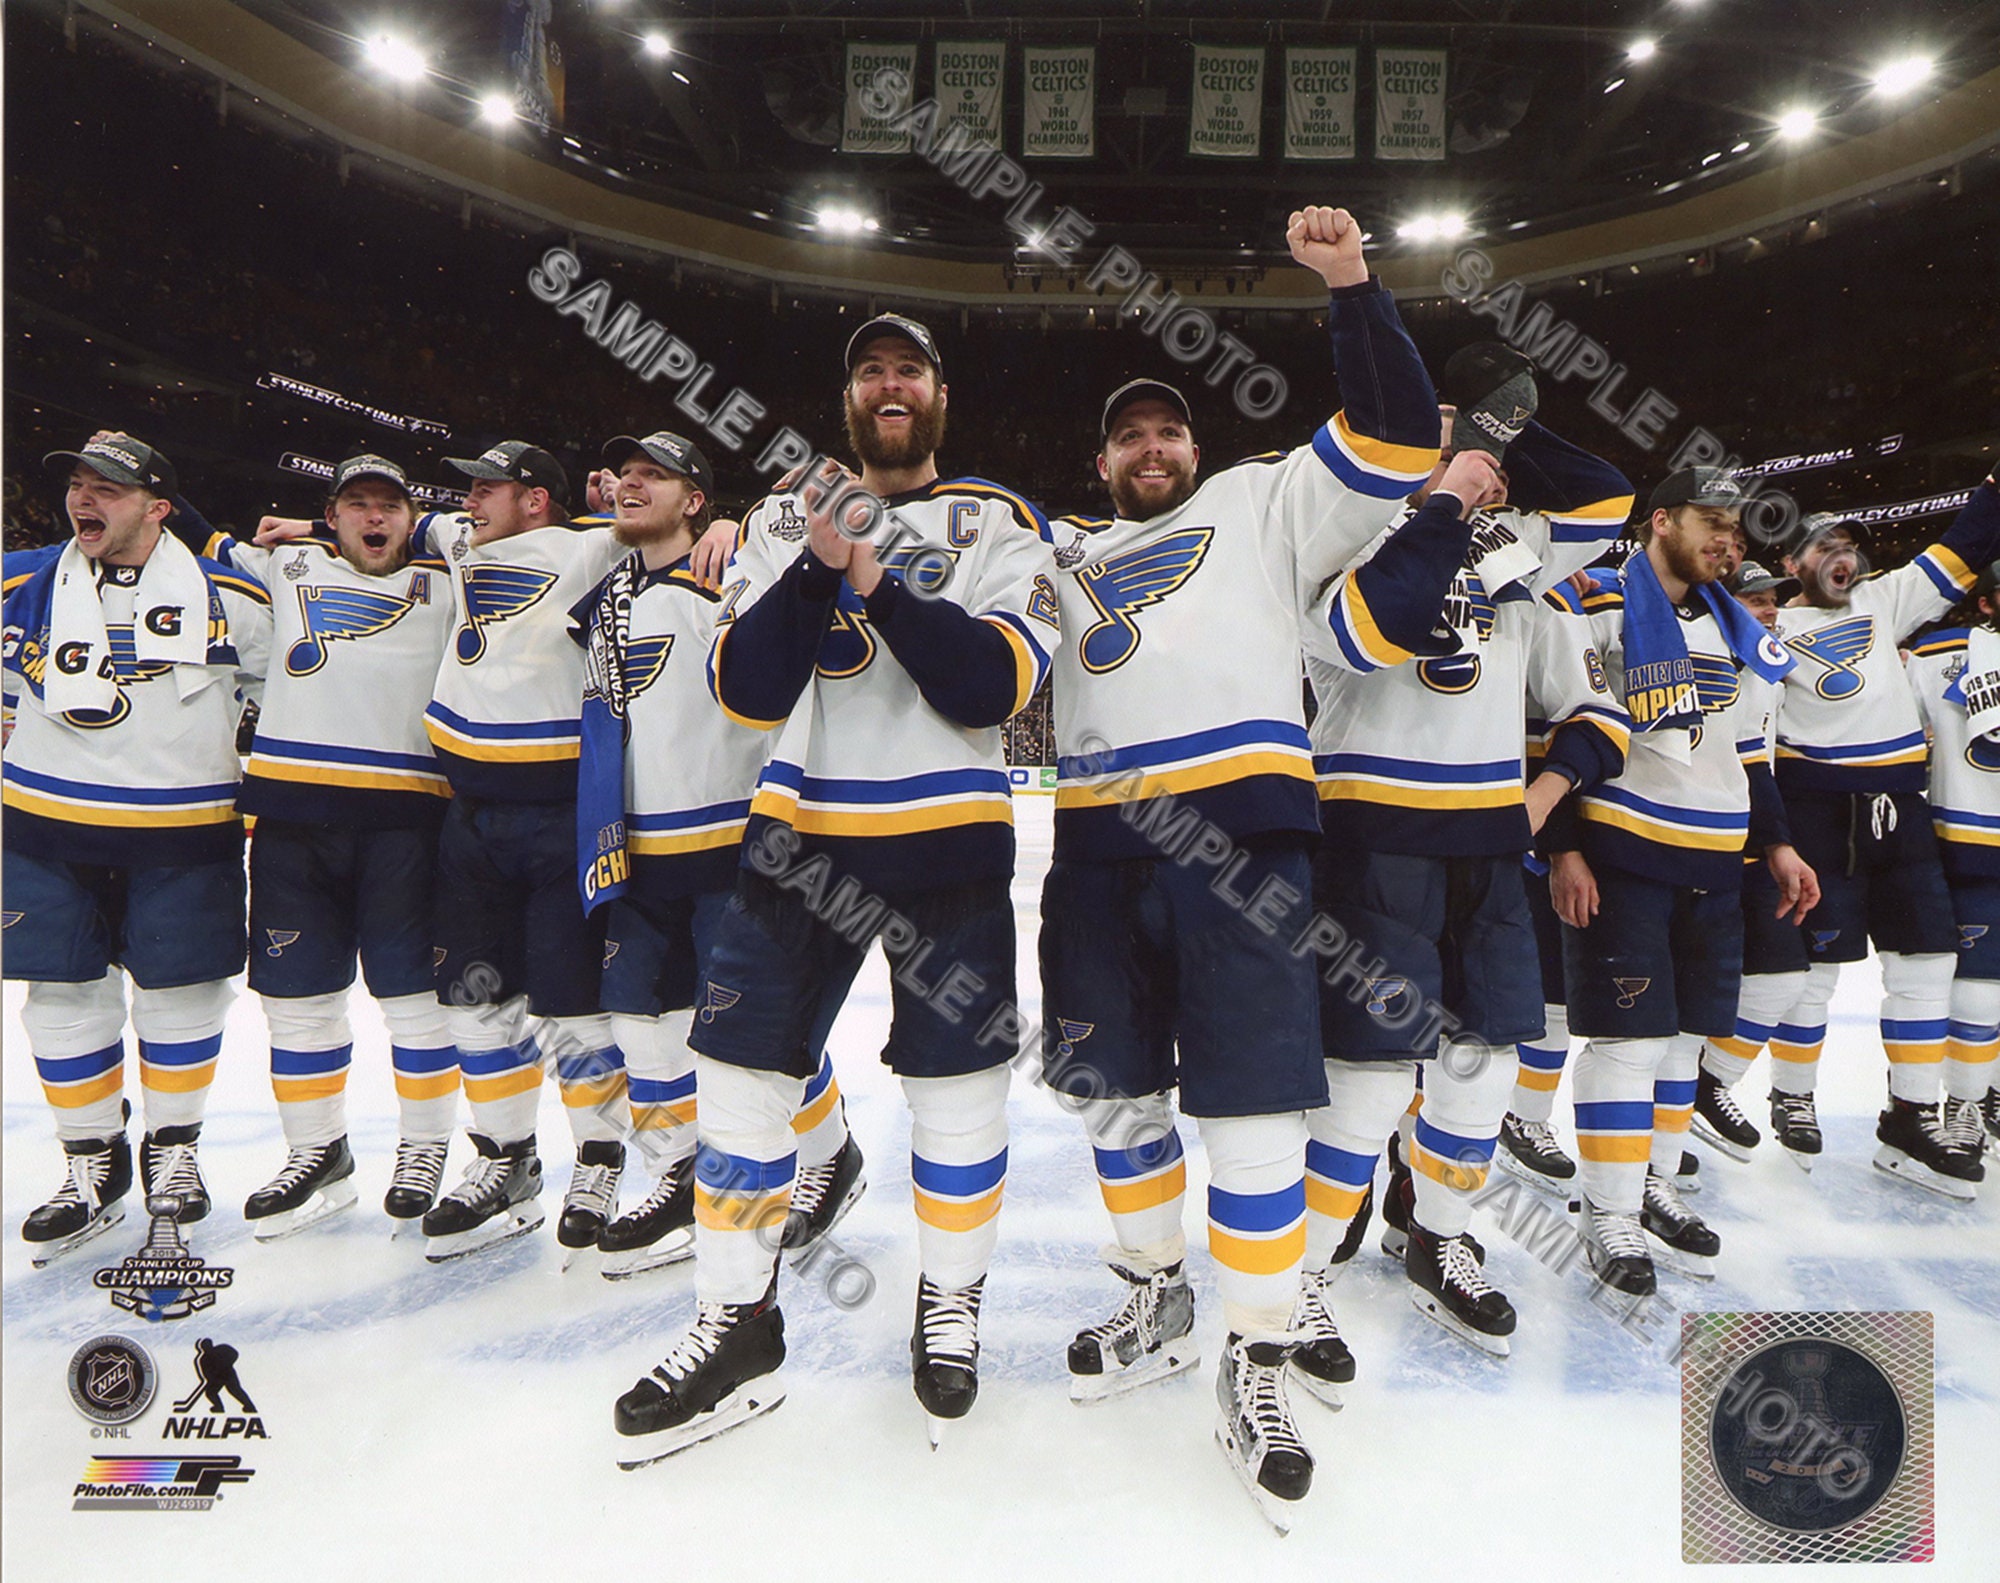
[1137,504]
[1834,593]
[918,444]
[1687,562]
[636,534]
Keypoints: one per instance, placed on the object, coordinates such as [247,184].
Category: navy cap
[671,451]
[519,462]
[1752,578]
[1142,390]
[124,460]
[369,465]
[1698,486]
[1821,523]
[894,324]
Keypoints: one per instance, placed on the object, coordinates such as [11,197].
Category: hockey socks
[180,1037]
[1366,1098]
[1450,1149]
[958,1171]
[76,1032]
[1614,1120]
[1256,1216]
[1916,1008]
[1542,1061]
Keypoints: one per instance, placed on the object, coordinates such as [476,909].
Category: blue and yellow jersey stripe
[502,741]
[1362,642]
[1409,783]
[939,800]
[1370,466]
[1947,571]
[1182,764]
[1694,829]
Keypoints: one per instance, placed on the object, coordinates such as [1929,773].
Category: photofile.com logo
[157,1483]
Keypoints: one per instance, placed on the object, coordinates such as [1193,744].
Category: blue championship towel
[603,865]
[1660,693]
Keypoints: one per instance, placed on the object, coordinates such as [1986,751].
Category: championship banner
[1059,103]
[1409,103]
[1908,510]
[881,82]
[1319,103]
[1807,461]
[1227,120]
[969,83]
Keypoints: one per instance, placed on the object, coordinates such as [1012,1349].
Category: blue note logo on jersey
[1983,753]
[1385,992]
[715,1000]
[280,938]
[1970,934]
[1454,673]
[494,594]
[645,663]
[127,670]
[331,614]
[927,570]
[1822,938]
[1840,648]
[1129,583]
[1717,681]
[1073,1034]
[9,919]
[848,648]
[611,949]
[1629,991]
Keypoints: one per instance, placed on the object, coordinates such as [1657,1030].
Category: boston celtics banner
[881,83]
[1059,102]
[1228,116]
[968,85]
[1319,104]
[1409,103]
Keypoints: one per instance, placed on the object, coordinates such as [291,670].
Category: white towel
[1981,682]
[1498,555]
[169,625]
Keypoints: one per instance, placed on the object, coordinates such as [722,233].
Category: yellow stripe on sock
[74,1096]
[503,1085]
[1128,1198]
[176,1079]
[1330,1198]
[427,1085]
[1619,1150]
[817,1111]
[297,1090]
[952,1214]
[1257,1255]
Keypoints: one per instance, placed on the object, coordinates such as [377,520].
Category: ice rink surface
[449,1423]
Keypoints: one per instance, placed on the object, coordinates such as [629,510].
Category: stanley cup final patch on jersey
[1807,1437]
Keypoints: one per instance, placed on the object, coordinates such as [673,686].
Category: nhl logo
[112,1380]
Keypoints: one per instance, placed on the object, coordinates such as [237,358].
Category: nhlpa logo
[1126,584]
[1840,648]
[716,1000]
[1073,1034]
[1383,991]
[279,938]
[1969,934]
[1629,991]
[788,524]
[494,594]
[332,614]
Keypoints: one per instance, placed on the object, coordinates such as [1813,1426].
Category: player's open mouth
[631,502]
[1152,474]
[893,412]
[375,540]
[89,527]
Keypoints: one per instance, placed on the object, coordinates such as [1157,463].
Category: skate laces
[419,1164]
[1964,1127]
[664,1189]
[1139,1314]
[87,1172]
[1461,1268]
[1312,1320]
[300,1163]
[1262,1387]
[811,1185]
[1618,1235]
[1665,1200]
[484,1178]
[176,1170]
[595,1187]
[951,1324]
[1538,1134]
[1726,1106]
[711,1324]
[1796,1109]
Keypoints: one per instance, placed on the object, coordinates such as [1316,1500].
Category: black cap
[1476,371]
[894,324]
[1698,486]
[1752,578]
[124,460]
[671,451]
[368,465]
[1821,523]
[519,462]
[1142,390]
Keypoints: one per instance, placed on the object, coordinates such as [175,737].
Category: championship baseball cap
[519,461]
[1752,578]
[1493,388]
[1697,486]
[124,460]
[368,465]
[671,451]
[1142,390]
[1821,523]
[894,324]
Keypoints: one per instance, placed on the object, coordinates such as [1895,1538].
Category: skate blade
[802,1254]
[461,1244]
[1559,1186]
[49,1252]
[934,1427]
[1690,1266]
[1274,1511]
[747,1401]
[1395,1243]
[676,1247]
[412,1227]
[1895,1163]
[1325,1392]
[1452,1325]
[571,1257]
[1720,1144]
[324,1204]
[1803,1161]
[1174,1357]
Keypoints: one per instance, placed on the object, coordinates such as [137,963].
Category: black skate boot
[1528,1150]
[1148,1339]
[1680,1239]
[1687,1175]
[1719,1120]
[1914,1150]
[89,1202]
[1398,1199]
[821,1195]
[1616,1247]
[1256,1431]
[658,1233]
[944,1352]
[413,1186]
[592,1199]
[494,1202]
[1448,1284]
[1795,1124]
[1989,1112]
[722,1373]
[1321,1361]
[1351,1238]
[1964,1132]
[169,1164]
[317,1181]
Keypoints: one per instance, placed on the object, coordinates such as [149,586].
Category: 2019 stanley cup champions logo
[163,1280]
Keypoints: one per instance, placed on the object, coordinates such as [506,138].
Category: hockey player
[348,798]
[1184,820]
[127,662]
[1851,768]
[1646,876]
[663,796]
[884,809]
[1426,813]
[1955,675]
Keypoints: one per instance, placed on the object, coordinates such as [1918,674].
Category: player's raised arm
[775,613]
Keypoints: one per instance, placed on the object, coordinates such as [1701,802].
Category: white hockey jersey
[341,738]
[505,716]
[1964,769]
[888,754]
[152,779]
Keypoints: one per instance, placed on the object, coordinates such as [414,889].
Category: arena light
[839,219]
[396,58]
[657,45]
[1614,85]
[1796,124]
[497,109]
[1444,227]
[1901,75]
[1739,148]
[1641,50]
[683,79]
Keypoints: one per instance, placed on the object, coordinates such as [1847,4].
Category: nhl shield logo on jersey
[1839,647]
[1629,991]
[715,1000]
[280,938]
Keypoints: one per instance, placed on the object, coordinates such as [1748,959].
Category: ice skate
[1795,1124]
[1964,1133]
[170,1166]
[1914,1150]
[1529,1153]
[1255,1429]
[1449,1285]
[413,1185]
[1719,1121]
[1615,1244]
[1687,1176]
[1321,1362]
[1352,1238]
[493,1203]
[721,1374]
[944,1352]
[1398,1199]
[1989,1113]
[658,1233]
[1149,1338]
[89,1202]
[1680,1239]
[592,1199]
[316,1183]
[821,1196]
